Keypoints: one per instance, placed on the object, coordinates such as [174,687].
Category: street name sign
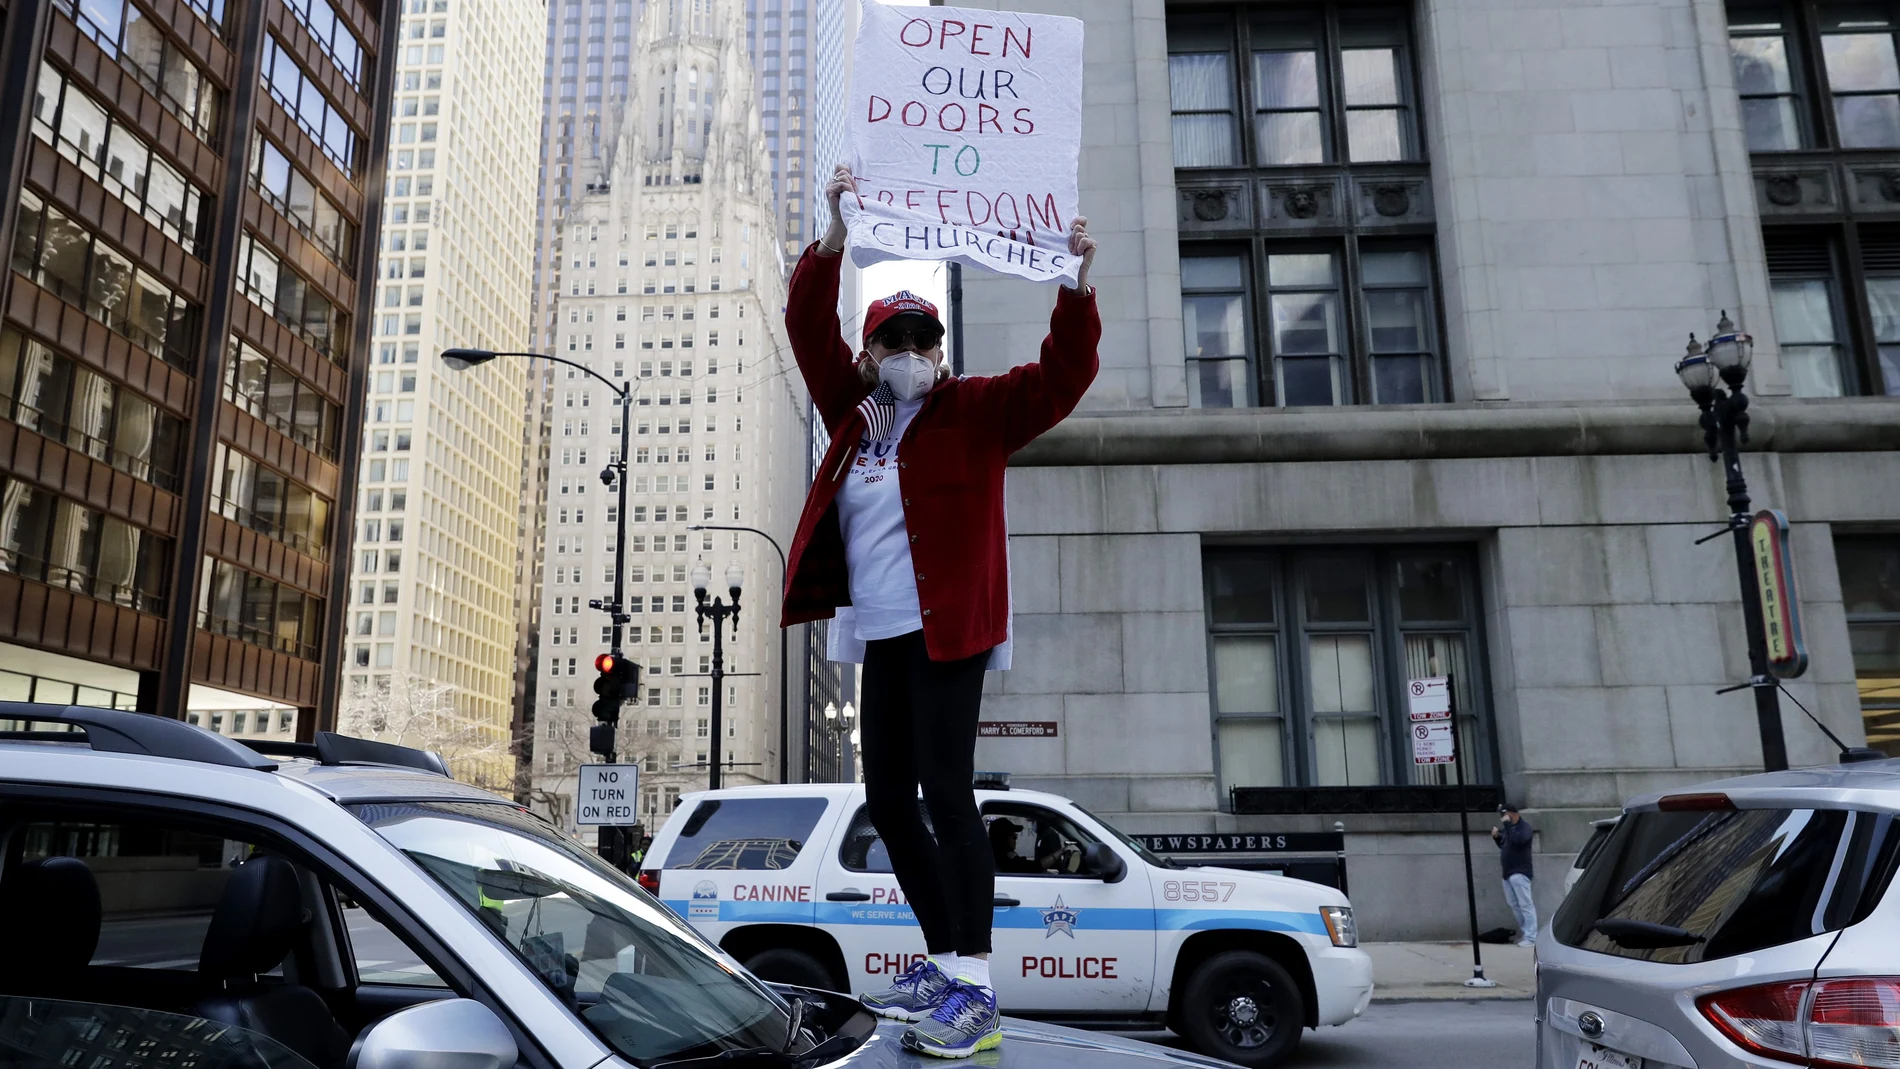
[608,795]
[1016,729]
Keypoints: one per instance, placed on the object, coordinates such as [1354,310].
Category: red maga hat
[903,302]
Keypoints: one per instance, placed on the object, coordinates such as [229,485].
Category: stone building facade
[1392,296]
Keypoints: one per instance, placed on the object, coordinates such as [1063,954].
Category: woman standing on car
[903,543]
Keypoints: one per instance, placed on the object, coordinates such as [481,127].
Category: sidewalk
[1403,972]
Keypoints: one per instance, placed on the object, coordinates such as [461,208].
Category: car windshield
[645,982]
[1146,854]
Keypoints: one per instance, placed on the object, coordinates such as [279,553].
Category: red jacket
[950,465]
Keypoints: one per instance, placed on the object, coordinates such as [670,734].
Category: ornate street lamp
[1706,371]
[720,612]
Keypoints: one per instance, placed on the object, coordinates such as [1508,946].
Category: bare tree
[563,732]
[413,710]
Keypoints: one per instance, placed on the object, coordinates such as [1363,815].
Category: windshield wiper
[1646,935]
[794,1024]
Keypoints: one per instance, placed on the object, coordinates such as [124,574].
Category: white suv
[1090,928]
[1747,922]
[175,898]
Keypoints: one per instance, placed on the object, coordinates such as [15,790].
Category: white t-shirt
[876,542]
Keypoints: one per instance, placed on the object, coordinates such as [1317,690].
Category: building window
[67,259]
[251,608]
[82,130]
[1272,313]
[1322,85]
[1325,343]
[1870,593]
[300,95]
[68,545]
[66,401]
[1309,651]
[1824,78]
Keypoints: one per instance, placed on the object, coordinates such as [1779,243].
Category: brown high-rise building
[192,197]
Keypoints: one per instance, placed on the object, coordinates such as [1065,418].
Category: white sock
[974,971]
[946,962]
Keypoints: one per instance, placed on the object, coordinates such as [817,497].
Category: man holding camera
[1513,836]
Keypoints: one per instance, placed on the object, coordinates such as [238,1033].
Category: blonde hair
[867,370]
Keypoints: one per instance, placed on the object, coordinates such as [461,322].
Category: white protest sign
[1432,743]
[967,132]
[607,794]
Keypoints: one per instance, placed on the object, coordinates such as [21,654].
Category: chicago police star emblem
[1059,918]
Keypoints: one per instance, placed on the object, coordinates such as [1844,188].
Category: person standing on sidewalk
[904,545]
[1513,836]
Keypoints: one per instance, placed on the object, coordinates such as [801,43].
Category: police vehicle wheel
[1241,1005]
[781,965]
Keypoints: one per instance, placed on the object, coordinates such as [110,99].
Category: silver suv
[175,898]
[1747,922]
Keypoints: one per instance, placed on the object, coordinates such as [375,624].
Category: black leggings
[918,729]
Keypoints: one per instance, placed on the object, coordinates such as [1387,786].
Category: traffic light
[618,680]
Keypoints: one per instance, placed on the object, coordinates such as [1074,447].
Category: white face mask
[909,375]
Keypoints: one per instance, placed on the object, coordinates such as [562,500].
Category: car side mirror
[1103,862]
[452,1034]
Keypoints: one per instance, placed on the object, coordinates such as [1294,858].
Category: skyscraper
[432,602]
[671,282]
[183,354]
[779,32]
[585,85]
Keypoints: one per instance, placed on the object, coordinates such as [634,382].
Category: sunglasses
[898,337]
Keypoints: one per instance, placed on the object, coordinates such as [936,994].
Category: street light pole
[720,613]
[784,709]
[463,359]
[1724,431]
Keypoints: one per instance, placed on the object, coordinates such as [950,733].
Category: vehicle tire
[782,965]
[1242,1006]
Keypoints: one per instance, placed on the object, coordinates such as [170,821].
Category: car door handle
[847,896]
[1004,901]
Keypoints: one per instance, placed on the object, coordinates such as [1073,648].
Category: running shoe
[965,1023]
[913,996]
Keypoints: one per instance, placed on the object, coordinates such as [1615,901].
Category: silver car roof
[350,784]
[1860,785]
[344,784]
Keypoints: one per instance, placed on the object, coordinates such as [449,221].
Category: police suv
[1091,929]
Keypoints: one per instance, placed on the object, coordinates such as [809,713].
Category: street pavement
[1423,1017]
[1431,1034]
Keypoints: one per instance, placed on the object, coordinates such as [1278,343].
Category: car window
[862,850]
[648,985]
[40,1033]
[1591,849]
[1715,884]
[1028,840]
[745,833]
[158,884]
[381,956]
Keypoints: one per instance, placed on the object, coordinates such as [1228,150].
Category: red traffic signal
[618,680]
